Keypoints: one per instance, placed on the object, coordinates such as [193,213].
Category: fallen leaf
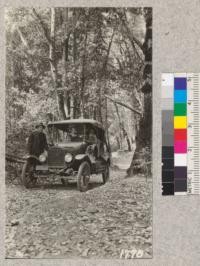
[14,223]
[85,252]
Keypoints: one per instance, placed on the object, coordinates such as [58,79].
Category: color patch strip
[180,122]
[180,96]
[180,109]
[180,172]
[168,176]
[167,152]
[180,146]
[180,185]
[167,105]
[180,83]
[180,134]
[180,159]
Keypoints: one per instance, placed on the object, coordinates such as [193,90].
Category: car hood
[72,147]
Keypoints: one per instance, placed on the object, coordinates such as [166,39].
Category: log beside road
[14,159]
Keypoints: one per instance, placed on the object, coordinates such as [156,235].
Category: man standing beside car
[37,142]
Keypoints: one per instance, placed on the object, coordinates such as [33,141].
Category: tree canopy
[77,62]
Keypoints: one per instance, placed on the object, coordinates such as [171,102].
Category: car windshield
[67,133]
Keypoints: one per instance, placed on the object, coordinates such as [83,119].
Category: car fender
[82,157]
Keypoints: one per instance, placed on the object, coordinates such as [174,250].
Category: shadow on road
[69,186]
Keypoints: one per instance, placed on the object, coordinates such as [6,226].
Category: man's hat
[40,125]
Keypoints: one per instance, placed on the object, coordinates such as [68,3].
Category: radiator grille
[56,157]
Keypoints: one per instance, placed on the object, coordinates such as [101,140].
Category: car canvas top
[77,121]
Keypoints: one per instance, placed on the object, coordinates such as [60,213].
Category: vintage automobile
[77,150]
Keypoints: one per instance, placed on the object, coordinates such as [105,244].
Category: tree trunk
[144,134]
[52,58]
[102,82]
[99,95]
[75,108]
[65,48]
[128,143]
[53,65]
[120,126]
[127,138]
[83,77]
[118,142]
[106,121]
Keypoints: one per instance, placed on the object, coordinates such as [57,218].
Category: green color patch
[180,109]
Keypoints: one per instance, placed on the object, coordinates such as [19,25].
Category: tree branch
[22,37]
[108,51]
[123,104]
[43,26]
[131,37]
[14,159]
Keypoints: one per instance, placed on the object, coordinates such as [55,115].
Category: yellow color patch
[180,121]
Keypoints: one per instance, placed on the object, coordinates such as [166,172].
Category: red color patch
[180,134]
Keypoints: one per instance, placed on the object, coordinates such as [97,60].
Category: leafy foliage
[92,53]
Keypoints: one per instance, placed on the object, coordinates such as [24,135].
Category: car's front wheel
[28,178]
[106,174]
[83,176]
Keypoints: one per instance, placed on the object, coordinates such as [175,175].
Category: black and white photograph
[78,162]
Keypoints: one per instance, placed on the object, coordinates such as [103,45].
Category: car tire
[106,174]
[27,170]
[83,176]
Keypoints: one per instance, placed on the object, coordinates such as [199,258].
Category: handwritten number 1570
[131,253]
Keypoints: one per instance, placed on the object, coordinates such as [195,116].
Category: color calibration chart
[180,106]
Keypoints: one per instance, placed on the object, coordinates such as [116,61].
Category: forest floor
[51,220]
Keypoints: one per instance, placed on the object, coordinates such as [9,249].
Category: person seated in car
[92,137]
[74,135]
[94,148]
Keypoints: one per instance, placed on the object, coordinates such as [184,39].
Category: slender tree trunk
[128,143]
[94,113]
[127,139]
[73,97]
[118,142]
[67,98]
[10,86]
[99,92]
[83,77]
[120,126]
[102,80]
[106,121]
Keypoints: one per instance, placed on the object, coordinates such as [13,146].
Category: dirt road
[55,221]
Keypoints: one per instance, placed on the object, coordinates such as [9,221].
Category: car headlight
[68,157]
[42,158]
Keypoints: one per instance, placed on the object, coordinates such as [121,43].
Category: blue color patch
[180,96]
[180,83]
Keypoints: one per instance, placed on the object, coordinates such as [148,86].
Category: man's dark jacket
[37,143]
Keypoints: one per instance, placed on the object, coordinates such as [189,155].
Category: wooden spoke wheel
[83,176]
